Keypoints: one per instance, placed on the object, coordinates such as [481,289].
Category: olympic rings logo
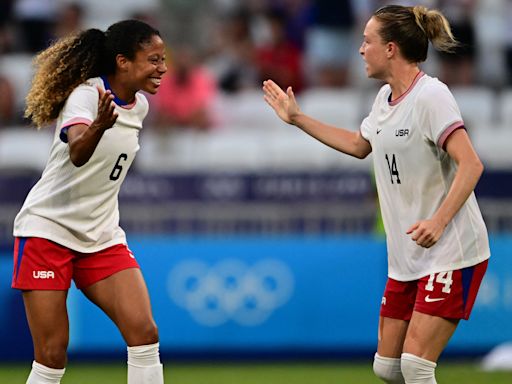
[230,290]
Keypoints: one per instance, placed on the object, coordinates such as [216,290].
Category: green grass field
[256,373]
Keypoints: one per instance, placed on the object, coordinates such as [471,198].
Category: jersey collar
[117,100]
[402,96]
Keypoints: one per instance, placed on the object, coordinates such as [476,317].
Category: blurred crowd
[229,46]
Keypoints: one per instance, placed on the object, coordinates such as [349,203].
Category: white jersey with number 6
[414,173]
[77,207]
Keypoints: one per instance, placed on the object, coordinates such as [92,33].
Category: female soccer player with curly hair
[68,228]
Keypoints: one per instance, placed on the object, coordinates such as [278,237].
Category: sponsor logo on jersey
[43,274]
[383,301]
[429,299]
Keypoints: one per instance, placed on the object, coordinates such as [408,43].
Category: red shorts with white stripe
[41,264]
[449,294]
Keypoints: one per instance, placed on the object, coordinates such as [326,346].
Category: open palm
[284,104]
[106,110]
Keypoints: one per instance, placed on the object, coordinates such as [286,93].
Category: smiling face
[374,51]
[145,71]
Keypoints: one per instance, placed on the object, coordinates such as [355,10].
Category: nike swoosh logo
[378,131]
[429,299]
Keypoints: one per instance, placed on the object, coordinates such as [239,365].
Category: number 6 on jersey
[116,171]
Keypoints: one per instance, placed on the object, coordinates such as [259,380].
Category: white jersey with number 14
[414,173]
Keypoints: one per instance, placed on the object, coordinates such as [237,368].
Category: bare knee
[142,334]
[52,353]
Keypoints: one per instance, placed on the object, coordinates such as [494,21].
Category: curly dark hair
[72,60]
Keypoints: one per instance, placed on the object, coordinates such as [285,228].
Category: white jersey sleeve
[81,106]
[77,207]
[437,112]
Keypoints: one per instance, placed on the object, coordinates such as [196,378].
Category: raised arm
[286,107]
[83,139]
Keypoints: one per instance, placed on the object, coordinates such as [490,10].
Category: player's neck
[119,90]
[402,80]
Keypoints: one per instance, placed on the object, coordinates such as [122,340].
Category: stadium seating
[101,14]
[505,107]
[493,147]
[24,148]
[341,107]
[249,135]
[246,110]
[18,69]
[478,107]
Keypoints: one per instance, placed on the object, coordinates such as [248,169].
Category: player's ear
[122,62]
[391,49]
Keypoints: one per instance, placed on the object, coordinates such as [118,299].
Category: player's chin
[151,91]
[151,86]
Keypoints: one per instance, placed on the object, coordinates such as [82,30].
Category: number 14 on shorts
[443,278]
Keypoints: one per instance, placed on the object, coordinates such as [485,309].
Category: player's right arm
[83,138]
[286,107]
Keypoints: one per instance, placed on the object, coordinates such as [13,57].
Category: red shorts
[41,264]
[445,294]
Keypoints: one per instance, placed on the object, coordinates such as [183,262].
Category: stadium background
[256,241]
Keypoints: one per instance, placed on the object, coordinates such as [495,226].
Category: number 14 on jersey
[393,169]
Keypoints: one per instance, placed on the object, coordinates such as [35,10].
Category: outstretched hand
[284,104]
[106,110]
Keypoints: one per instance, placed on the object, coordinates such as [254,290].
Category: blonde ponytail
[436,28]
[411,28]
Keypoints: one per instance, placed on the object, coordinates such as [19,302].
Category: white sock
[388,369]
[144,365]
[417,370]
[41,374]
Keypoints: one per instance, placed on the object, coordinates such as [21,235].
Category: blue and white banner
[286,293]
[249,295]
[252,293]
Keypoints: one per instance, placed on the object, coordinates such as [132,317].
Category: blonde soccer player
[426,170]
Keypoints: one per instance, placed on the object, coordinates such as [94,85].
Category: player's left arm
[469,169]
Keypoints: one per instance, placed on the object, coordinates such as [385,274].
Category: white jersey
[77,207]
[414,173]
